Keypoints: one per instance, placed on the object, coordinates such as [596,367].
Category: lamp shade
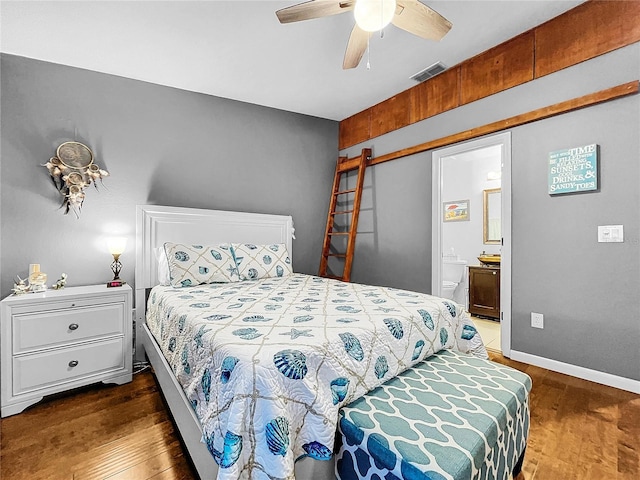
[116,245]
[374,15]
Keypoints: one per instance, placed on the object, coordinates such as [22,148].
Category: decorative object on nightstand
[21,286]
[116,246]
[35,282]
[62,339]
[60,283]
[72,171]
[37,279]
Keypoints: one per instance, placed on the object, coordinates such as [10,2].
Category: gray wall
[588,291]
[161,146]
[167,146]
[393,245]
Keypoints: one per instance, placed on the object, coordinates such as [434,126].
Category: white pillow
[261,261]
[196,264]
[162,266]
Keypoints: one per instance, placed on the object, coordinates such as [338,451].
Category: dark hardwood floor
[99,432]
[579,430]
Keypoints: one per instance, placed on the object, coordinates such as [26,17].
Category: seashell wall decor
[72,170]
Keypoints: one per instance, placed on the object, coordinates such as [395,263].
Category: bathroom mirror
[492,218]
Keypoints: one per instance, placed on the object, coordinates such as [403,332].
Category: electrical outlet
[537,320]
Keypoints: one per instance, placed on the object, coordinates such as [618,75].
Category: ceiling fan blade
[356,47]
[314,9]
[415,17]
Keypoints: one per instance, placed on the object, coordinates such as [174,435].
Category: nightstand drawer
[56,367]
[56,300]
[47,329]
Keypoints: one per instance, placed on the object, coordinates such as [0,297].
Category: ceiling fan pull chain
[368,55]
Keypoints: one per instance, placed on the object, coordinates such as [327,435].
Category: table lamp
[116,246]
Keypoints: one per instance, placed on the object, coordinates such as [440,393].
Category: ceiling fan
[371,16]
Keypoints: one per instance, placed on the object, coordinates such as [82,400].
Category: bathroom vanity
[484,291]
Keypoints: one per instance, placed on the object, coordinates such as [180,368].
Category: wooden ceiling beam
[584,101]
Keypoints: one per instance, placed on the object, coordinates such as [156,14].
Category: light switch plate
[537,320]
[610,233]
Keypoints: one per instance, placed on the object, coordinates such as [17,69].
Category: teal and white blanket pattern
[267,364]
[452,417]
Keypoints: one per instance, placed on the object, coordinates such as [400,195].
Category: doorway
[467,225]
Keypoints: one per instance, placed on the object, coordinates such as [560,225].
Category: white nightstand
[62,339]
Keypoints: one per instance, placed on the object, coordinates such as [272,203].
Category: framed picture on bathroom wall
[457,211]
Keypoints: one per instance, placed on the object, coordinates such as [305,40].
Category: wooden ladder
[343,166]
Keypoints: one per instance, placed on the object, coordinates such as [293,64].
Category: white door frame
[437,157]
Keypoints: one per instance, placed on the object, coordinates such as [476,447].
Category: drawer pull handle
[73,363]
[494,273]
[73,326]
[73,304]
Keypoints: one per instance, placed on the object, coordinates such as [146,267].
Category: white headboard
[156,225]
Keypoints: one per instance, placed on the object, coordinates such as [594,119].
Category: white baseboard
[580,372]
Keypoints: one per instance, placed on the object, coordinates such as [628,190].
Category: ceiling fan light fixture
[374,15]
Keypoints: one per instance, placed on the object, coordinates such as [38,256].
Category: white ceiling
[239,50]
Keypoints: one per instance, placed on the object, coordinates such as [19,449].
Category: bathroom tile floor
[489,331]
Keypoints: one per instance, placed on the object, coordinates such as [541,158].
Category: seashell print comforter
[267,364]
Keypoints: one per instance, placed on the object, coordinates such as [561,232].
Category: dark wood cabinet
[484,291]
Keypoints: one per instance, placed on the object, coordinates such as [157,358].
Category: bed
[255,370]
